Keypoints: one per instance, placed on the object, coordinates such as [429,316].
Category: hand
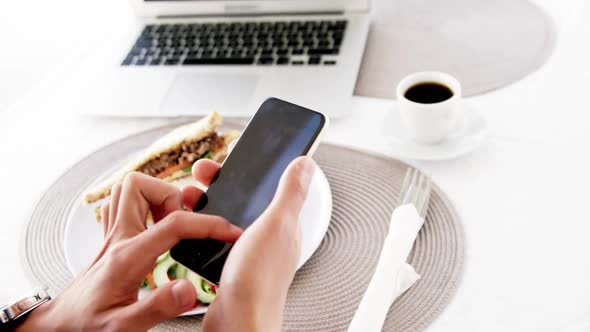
[104,296]
[261,266]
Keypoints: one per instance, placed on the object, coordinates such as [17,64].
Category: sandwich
[171,157]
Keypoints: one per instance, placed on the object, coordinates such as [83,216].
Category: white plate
[83,236]
[470,132]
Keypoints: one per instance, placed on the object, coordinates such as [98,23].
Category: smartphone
[246,183]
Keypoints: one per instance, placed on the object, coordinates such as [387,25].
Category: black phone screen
[277,134]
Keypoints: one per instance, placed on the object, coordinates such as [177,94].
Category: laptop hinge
[242,14]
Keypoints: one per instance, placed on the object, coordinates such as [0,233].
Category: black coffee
[428,93]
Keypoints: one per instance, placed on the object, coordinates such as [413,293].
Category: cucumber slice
[162,257]
[206,287]
[202,295]
[181,271]
[161,271]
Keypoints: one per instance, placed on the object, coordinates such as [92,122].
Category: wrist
[38,320]
[261,311]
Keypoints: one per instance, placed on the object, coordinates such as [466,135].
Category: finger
[164,303]
[177,226]
[293,188]
[104,218]
[114,205]
[142,193]
[190,196]
[205,170]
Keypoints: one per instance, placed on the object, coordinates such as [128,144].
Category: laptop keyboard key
[265,60]
[337,35]
[308,42]
[127,61]
[323,44]
[172,61]
[297,51]
[321,51]
[218,61]
[251,52]
[314,60]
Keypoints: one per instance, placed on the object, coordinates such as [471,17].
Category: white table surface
[523,197]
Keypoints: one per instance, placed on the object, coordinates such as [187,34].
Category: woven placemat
[485,44]
[327,289]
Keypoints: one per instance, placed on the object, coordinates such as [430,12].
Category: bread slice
[186,134]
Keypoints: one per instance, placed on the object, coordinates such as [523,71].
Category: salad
[167,269]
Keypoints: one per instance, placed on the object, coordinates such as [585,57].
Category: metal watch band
[12,312]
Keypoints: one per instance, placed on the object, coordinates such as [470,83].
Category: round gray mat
[485,44]
[328,288]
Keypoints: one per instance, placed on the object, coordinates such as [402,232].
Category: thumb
[293,188]
[163,303]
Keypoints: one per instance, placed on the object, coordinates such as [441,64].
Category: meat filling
[189,152]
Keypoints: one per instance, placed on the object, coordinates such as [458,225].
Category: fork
[416,190]
[393,275]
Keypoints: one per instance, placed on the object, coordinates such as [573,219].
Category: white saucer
[469,133]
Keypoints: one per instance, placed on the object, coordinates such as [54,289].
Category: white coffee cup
[429,123]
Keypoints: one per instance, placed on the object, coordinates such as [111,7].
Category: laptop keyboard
[248,43]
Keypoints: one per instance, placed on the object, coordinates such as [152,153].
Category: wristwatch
[12,314]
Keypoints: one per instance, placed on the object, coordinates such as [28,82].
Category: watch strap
[11,313]
[11,326]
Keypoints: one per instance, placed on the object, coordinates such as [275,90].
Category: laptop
[191,57]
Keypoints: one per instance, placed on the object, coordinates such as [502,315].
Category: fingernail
[181,296]
[307,168]
[237,231]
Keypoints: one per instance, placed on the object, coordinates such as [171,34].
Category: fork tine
[405,186]
[419,189]
[412,189]
[426,201]
[425,197]
[416,190]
